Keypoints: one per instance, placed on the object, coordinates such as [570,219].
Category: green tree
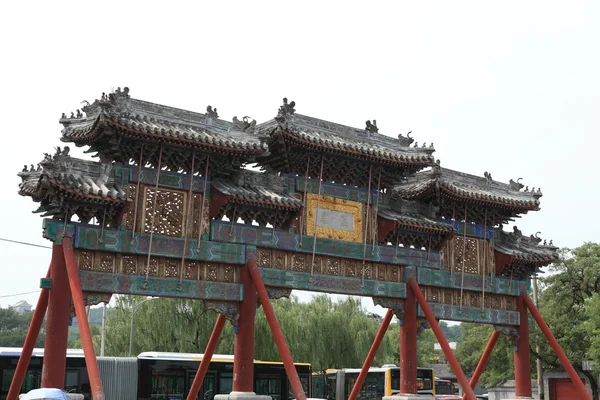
[569,304]
[13,328]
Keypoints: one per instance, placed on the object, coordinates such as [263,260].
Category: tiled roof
[525,249]
[80,177]
[348,140]
[256,188]
[415,222]
[159,123]
[468,187]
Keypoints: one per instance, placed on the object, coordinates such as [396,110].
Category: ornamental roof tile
[159,123]
[80,177]
[525,249]
[416,222]
[351,141]
[257,188]
[469,187]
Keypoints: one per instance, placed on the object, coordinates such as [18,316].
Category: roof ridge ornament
[371,127]
[405,141]
[488,178]
[285,113]
[244,125]
[211,112]
[516,186]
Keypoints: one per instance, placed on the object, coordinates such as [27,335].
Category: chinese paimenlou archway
[169,209]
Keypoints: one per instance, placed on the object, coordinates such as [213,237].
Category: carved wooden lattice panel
[169,212]
[198,211]
[131,196]
[475,254]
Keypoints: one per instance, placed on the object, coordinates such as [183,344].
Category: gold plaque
[337,219]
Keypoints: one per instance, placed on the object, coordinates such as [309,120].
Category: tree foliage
[13,328]
[324,332]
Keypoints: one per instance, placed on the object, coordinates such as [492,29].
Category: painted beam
[168,179]
[472,314]
[331,283]
[473,230]
[102,282]
[226,232]
[91,237]
[336,190]
[472,282]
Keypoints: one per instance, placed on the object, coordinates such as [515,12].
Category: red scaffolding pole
[207,357]
[485,357]
[84,328]
[284,351]
[462,379]
[371,356]
[556,347]
[32,335]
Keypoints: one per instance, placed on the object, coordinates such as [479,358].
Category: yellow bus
[336,384]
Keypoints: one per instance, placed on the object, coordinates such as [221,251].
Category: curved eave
[406,161]
[427,227]
[462,195]
[95,131]
[263,203]
[87,196]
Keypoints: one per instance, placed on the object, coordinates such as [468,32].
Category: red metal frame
[408,345]
[371,356]
[32,334]
[243,345]
[82,321]
[485,357]
[556,347]
[284,351]
[521,355]
[57,324]
[462,379]
[207,357]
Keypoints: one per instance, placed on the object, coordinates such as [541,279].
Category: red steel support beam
[462,379]
[57,325]
[243,345]
[84,328]
[556,347]
[284,351]
[371,356]
[408,345]
[521,355]
[32,334]
[485,357]
[207,357]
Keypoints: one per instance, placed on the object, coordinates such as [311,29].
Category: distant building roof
[21,303]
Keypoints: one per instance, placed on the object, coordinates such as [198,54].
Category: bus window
[372,389]
[72,380]
[303,381]
[268,385]
[330,385]
[424,380]
[225,382]
[166,384]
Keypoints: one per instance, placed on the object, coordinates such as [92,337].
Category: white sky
[508,87]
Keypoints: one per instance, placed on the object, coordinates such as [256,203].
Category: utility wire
[25,243]
[19,294]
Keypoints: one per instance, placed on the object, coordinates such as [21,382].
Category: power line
[19,294]
[25,243]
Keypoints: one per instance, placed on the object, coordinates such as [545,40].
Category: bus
[443,386]
[154,375]
[380,382]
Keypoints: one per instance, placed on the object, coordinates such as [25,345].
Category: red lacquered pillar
[521,355]
[408,345]
[57,324]
[243,345]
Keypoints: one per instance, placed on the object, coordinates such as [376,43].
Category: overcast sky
[510,87]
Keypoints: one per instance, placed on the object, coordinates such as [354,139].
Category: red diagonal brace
[84,328]
[485,357]
[32,334]
[207,357]
[371,356]
[435,327]
[284,351]
[556,347]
